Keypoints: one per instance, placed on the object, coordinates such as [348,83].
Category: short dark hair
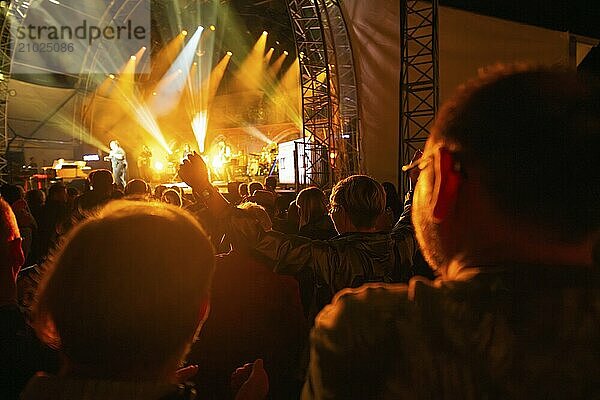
[56,188]
[533,134]
[101,179]
[362,197]
[10,193]
[271,182]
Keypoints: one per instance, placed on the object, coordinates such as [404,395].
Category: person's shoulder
[375,302]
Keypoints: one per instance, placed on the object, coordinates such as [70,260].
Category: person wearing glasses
[514,313]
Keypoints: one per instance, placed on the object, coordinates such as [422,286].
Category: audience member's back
[254,313]
[506,209]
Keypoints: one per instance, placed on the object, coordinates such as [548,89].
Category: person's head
[102,181]
[271,183]
[172,197]
[72,193]
[114,145]
[159,190]
[312,205]
[57,192]
[355,203]
[253,187]
[35,198]
[122,308]
[11,193]
[11,252]
[281,205]
[265,199]
[510,173]
[136,187]
[259,213]
[243,190]
[293,217]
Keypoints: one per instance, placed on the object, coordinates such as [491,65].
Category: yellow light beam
[250,73]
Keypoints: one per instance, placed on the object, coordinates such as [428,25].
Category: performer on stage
[144,162]
[118,162]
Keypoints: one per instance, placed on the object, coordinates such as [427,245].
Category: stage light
[171,86]
[272,49]
[159,166]
[154,93]
[212,28]
[277,42]
[229,53]
[286,53]
[133,58]
[184,33]
[111,76]
[265,33]
[144,47]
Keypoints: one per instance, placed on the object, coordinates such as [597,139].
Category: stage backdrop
[467,42]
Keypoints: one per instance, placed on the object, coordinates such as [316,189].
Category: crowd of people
[482,283]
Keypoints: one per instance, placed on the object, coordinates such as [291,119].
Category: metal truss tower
[331,138]
[418,78]
[10,14]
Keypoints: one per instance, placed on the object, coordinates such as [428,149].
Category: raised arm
[290,253]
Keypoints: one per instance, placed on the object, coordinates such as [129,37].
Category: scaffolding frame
[14,12]
[330,121]
[419,83]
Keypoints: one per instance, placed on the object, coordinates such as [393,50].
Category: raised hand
[194,172]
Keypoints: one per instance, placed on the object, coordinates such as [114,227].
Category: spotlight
[111,76]
[154,93]
[159,166]
[265,33]
[277,42]
[195,63]
[229,53]
[212,27]
[184,32]
[143,47]
[286,52]
[272,49]
[133,58]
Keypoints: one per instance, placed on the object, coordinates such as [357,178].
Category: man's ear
[447,182]
[15,254]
